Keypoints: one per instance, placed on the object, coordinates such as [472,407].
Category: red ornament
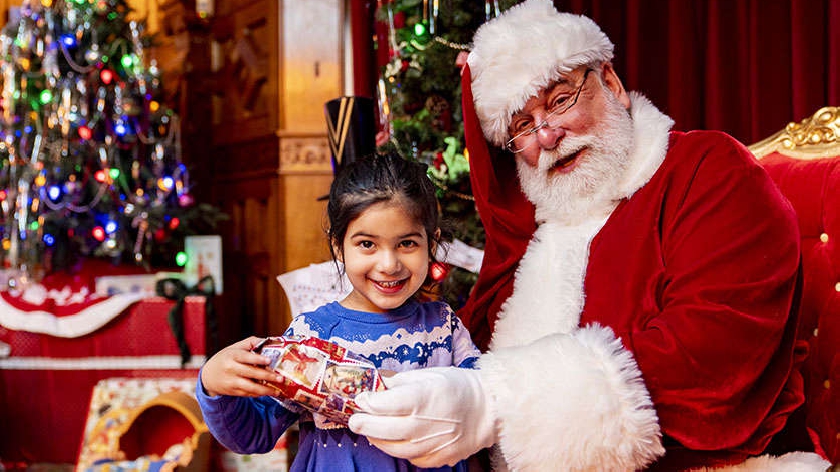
[107,75]
[438,271]
[85,133]
[399,19]
[98,233]
[438,160]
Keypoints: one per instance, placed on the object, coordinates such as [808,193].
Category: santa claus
[636,294]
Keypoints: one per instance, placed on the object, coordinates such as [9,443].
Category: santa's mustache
[569,148]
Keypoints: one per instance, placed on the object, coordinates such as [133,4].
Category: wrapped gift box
[136,424]
[46,382]
[320,376]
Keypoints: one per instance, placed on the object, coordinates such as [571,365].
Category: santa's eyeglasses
[560,104]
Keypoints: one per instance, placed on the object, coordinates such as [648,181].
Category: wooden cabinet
[275,65]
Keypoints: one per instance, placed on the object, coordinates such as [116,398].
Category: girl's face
[386,258]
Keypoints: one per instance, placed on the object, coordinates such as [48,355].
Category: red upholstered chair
[804,160]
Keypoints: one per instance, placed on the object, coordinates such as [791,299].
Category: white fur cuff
[575,401]
[791,462]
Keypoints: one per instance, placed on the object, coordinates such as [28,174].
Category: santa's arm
[719,350]
[573,400]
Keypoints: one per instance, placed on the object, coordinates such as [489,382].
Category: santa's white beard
[590,188]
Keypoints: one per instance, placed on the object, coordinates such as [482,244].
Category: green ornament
[455,161]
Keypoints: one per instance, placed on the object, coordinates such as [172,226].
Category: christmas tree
[423,45]
[90,158]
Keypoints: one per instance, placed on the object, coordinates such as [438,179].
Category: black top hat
[351,128]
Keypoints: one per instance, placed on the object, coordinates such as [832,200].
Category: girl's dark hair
[381,178]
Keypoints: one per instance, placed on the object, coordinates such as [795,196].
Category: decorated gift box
[319,375]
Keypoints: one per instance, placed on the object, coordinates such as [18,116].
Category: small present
[319,375]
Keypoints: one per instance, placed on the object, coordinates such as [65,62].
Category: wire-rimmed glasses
[527,138]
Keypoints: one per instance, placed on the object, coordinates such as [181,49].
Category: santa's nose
[549,138]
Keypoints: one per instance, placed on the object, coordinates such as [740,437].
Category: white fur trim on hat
[523,50]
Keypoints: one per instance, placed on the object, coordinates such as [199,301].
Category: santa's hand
[432,417]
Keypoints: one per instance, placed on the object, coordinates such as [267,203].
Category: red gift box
[47,381]
[319,375]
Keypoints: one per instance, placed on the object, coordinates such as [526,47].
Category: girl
[383,218]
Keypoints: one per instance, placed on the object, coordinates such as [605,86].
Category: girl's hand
[237,371]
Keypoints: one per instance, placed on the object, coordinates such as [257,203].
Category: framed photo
[204,257]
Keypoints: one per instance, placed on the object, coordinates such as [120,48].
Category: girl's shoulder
[442,312]
[317,322]
[435,304]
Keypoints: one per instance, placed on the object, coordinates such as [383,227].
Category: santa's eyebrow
[563,81]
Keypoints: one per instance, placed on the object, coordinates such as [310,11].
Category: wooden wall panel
[273,67]
[250,244]
[246,35]
[306,172]
[311,66]
[260,240]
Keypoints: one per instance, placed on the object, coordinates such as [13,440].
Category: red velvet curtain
[746,67]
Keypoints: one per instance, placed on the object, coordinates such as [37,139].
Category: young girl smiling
[384,227]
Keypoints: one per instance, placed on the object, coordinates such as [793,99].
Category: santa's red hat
[513,57]
[523,50]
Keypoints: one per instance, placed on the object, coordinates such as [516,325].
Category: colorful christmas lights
[89,153]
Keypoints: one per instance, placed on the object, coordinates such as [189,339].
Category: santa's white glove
[432,417]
